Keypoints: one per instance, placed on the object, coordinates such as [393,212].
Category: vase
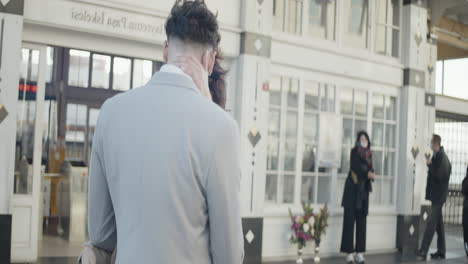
[317,252]
[299,255]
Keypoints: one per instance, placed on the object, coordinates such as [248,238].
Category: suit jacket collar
[173,79]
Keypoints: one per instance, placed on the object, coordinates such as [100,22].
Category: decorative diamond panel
[411,230]
[249,236]
[254,136]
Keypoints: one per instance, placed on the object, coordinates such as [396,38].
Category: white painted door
[28,154]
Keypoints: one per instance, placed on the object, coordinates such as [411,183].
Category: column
[252,98]
[11,30]
[417,114]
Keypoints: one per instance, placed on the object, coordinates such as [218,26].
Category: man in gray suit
[164,177]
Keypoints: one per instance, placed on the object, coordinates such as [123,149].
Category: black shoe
[421,255]
[438,255]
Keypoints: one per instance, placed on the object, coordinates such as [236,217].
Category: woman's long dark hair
[217,82]
[358,139]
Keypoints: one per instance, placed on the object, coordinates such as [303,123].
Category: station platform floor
[455,253]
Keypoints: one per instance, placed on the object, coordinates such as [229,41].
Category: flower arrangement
[302,226]
[321,224]
[308,226]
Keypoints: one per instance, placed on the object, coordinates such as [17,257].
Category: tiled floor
[58,252]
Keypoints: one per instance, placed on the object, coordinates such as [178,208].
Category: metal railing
[453,208]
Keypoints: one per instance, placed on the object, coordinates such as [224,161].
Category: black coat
[438,178]
[465,189]
[356,196]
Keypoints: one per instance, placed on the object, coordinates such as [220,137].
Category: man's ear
[208,60]
[166,51]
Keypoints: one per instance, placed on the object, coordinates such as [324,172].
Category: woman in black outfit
[465,211]
[356,199]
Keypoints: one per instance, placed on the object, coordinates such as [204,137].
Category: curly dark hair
[193,21]
[217,82]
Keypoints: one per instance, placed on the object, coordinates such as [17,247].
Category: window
[282,146]
[388,27]
[78,72]
[122,72]
[142,72]
[357,23]
[75,132]
[101,71]
[282,142]
[287,16]
[322,19]
[451,78]
[383,138]
[49,63]
[316,181]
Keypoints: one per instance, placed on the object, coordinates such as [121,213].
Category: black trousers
[351,219]
[435,223]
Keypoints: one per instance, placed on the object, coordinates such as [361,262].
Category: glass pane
[288,189]
[357,26]
[345,159]
[340,183]
[273,140]
[142,72]
[25,122]
[375,196]
[389,164]
[390,135]
[75,132]
[348,134]
[278,14]
[307,189]
[294,16]
[381,40]
[311,90]
[291,125]
[387,192]
[378,106]
[377,134]
[327,95]
[78,72]
[292,86]
[24,63]
[310,127]
[324,190]
[271,188]
[101,71]
[49,64]
[390,106]
[395,42]
[309,157]
[360,103]
[93,117]
[377,162]
[346,101]
[121,71]
[359,125]
[322,19]
[275,91]
[290,155]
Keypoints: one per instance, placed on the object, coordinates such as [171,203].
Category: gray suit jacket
[164,177]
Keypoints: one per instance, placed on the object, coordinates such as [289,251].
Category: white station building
[304,77]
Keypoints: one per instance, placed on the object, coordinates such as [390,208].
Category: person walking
[438,177]
[356,199]
[165,166]
[465,211]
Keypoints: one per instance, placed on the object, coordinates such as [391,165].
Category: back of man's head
[192,24]
[436,139]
